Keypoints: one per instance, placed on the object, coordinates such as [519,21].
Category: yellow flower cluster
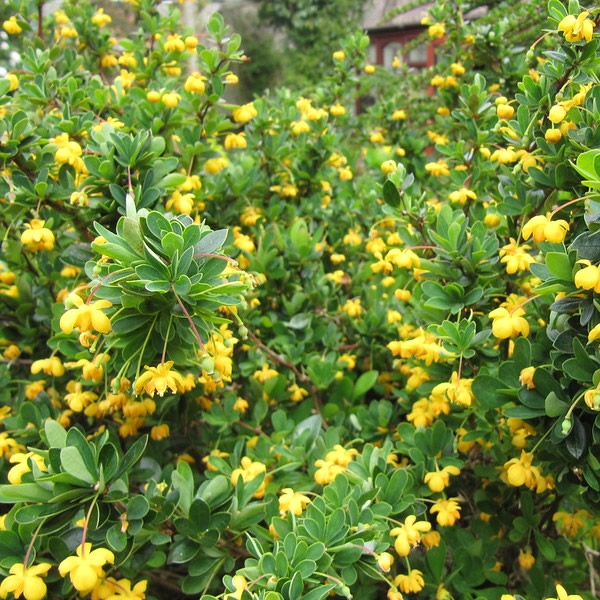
[516,257]
[336,461]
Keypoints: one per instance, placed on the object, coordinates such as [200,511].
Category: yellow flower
[11,26]
[85,317]
[337,110]
[339,55]
[553,136]
[100,19]
[174,43]
[461,196]
[85,569]
[526,559]
[439,480]
[153,96]
[37,237]
[515,257]
[50,366]
[111,589]
[411,583]
[25,581]
[160,432]
[297,394]
[507,324]
[520,471]
[388,167]
[248,471]
[244,113]
[505,111]
[235,140]
[170,99]
[294,502]
[588,278]
[577,28]
[570,524]
[240,584]
[158,379]
[437,168]
[437,30]
[526,377]
[561,594]
[195,83]
[408,535]
[448,511]
[557,114]
[214,165]
[385,561]
[543,229]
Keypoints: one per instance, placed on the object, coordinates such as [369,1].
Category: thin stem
[164,352]
[150,330]
[190,321]
[30,546]
[86,524]
[559,208]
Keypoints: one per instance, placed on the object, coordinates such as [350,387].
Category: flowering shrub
[287,349]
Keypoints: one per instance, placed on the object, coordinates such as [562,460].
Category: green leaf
[24,492]
[490,392]
[318,593]
[132,456]
[183,481]
[391,195]
[364,383]
[72,462]
[545,546]
[56,434]
[137,507]
[559,265]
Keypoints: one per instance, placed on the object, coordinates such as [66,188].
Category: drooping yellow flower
[408,535]
[577,28]
[195,83]
[159,379]
[37,237]
[100,18]
[588,278]
[294,502]
[244,113]
[440,479]
[543,229]
[11,26]
[85,317]
[25,581]
[507,324]
[85,569]
[411,583]
[448,511]
[437,30]
[526,559]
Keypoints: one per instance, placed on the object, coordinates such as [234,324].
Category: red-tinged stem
[190,321]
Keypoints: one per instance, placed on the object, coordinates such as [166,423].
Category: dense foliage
[290,350]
